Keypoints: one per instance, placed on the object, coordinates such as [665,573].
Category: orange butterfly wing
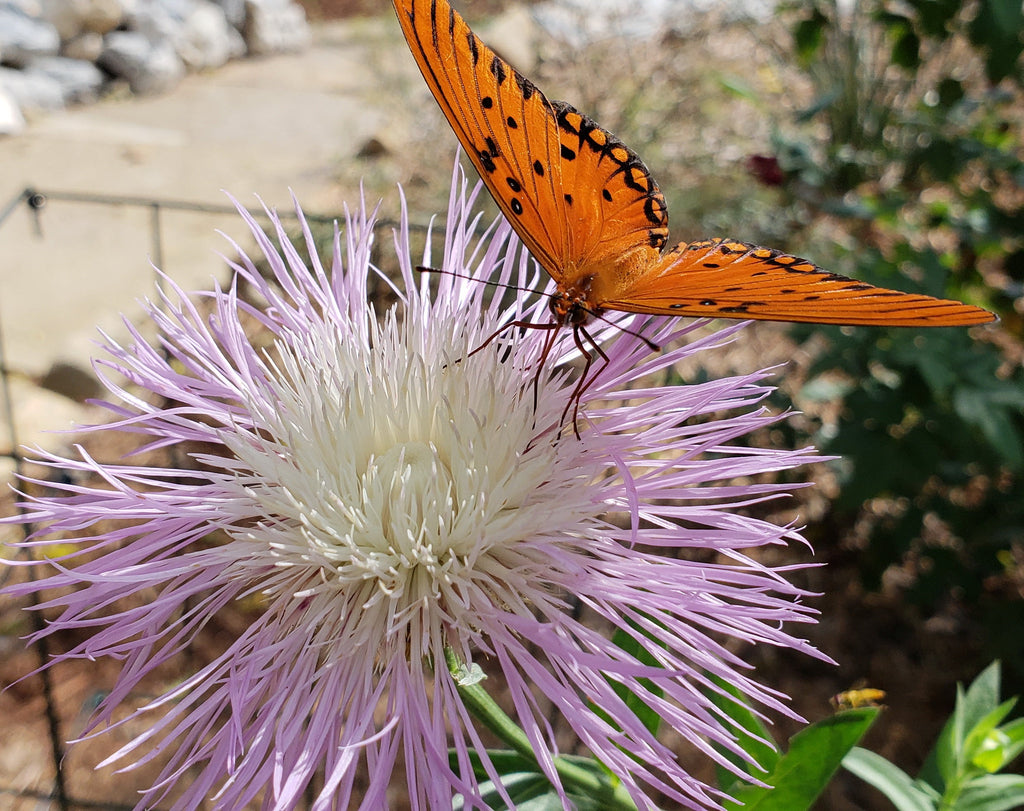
[582,202]
[589,211]
[726,279]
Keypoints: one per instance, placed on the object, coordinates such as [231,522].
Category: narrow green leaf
[814,755]
[504,761]
[647,716]
[983,737]
[902,790]
[739,87]
[945,761]
[982,696]
[751,734]
[1014,732]
[529,791]
[992,792]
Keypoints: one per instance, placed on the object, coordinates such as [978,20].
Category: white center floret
[398,482]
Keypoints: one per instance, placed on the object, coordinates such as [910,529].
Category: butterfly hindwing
[722,278]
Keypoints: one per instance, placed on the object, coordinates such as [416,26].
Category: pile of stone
[59,52]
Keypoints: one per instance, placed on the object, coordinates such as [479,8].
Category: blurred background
[880,140]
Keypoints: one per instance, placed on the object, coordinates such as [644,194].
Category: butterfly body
[588,210]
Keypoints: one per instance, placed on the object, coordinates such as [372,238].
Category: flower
[390,497]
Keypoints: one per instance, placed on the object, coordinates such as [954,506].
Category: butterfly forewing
[576,195]
[727,279]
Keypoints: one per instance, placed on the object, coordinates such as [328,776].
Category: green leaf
[1014,732]
[933,16]
[945,762]
[739,87]
[902,790]
[992,792]
[809,35]
[906,51]
[648,717]
[984,738]
[996,29]
[526,785]
[824,389]
[814,755]
[529,791]
[751,734]
[982,408]
[982,696]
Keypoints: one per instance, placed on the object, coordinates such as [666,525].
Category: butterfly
[589,211]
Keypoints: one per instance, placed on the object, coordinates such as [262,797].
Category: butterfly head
[571,307]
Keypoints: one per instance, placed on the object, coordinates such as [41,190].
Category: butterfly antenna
[467,277]
[600,317]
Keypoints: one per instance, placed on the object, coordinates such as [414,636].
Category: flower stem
[588,782]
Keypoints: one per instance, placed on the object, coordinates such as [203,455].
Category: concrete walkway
[253,127]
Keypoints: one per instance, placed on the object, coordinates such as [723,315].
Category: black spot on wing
[487,102]
[514,184]
[567,153]
[488,154]
[516,206]
[498,69]
[538,168]
[512,123]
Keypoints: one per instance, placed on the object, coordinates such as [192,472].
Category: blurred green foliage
[917,185]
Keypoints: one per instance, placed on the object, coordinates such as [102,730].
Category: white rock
[65,16]
[22,37]
[72,17]
[32,8]
[32,91]
[12,122]
[102,16]
[205,39]
[156,20]
[580,22]
[80,81]
[234,10]
[149,67]
[87,45]
[275,26]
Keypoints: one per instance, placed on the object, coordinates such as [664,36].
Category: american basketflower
[399,508]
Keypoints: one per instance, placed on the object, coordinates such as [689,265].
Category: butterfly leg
[583,384]
[510,325]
